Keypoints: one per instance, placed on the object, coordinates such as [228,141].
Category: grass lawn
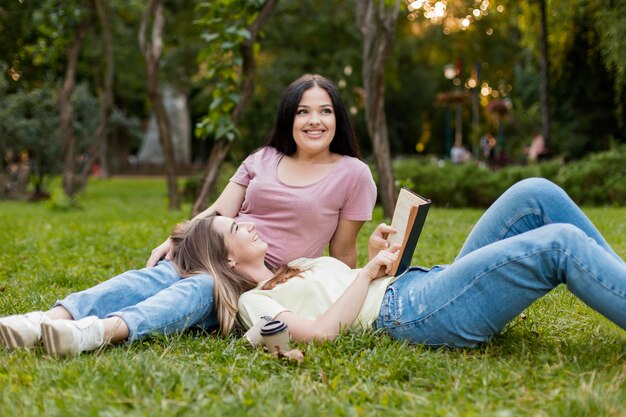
[563,360]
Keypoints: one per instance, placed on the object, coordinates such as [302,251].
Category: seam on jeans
[595,277]
[186,316]
[390,303]
[473,282]
[520,215]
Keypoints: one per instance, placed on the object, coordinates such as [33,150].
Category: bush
[599,179]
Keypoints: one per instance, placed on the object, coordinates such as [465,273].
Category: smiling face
[314,124]
[245,247]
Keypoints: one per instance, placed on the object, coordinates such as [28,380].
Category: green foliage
[609,22]
[29,122]
[598,179]
[226,25]
[562,360]
[59,201]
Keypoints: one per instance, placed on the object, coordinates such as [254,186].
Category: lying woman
[532,239]
[310,163]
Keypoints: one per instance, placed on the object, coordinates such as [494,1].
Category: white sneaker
[64,337]
[22,330]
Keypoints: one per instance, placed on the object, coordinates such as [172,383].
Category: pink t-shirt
[299,221]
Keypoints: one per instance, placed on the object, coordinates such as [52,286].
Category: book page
[404,218]
[402,213]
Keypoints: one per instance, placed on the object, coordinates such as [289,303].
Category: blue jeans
[532,239]
[149,300]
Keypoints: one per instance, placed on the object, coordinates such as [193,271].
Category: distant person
[488,146]
[459,154]
[305,190]
[536,149]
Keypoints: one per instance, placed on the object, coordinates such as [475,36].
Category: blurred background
[93,87]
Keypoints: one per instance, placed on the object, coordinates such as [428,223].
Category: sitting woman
[310,164]
[532,239]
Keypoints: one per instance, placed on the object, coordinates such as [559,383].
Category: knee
[534,186]
[201,283]
[564,234]
[537,189]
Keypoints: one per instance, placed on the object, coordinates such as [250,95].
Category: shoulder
[269,152]
[264,154]
[352,162]
[352,169]
[356,175]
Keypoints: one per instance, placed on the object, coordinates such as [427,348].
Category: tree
[377,23]
[234,67]
[609,22]
[98,151]
[151,51]
[66,110]
[29,122]
[544,62]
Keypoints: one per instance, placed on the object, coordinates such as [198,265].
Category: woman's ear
[231,263]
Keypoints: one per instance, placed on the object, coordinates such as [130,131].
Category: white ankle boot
[66,337]
[22,330]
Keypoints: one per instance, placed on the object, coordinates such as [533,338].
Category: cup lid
[273,327]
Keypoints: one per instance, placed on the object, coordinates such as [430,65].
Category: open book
[408,219]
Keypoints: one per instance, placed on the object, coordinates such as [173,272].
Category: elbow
[317,333]
[325,336]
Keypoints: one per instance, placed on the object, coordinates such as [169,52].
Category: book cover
[408,219]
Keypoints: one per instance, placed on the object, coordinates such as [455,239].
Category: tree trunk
[152,54]
[66,110]
[545,75]
[222,147]
[377,24]
[209,176]
[98,152]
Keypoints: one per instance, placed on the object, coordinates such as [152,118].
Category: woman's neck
[315,158]
[259,273]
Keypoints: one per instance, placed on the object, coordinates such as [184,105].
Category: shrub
[599,179]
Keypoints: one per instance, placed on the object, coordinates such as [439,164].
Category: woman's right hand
[379,240]
[160,252]
[381,264]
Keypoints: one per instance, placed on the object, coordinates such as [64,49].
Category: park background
[81,98]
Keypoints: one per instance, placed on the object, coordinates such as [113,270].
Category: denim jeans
[532,239]
[149,300]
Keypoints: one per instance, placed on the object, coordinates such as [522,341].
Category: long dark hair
[281,137]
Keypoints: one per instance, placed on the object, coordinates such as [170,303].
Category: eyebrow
[307,107]
[232,227]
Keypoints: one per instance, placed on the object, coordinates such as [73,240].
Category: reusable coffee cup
[253,335]
[275,336]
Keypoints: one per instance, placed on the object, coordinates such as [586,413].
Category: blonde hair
[198,248]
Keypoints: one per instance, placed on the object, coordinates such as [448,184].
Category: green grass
[563,360]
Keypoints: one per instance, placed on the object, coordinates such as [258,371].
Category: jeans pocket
[388,308]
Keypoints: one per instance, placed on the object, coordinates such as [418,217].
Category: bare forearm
[341,315]
[210,210]
[348,256]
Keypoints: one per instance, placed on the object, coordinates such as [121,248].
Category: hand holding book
[408,220]
[379,240]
